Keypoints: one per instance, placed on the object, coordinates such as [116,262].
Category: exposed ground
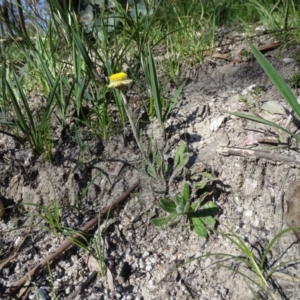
[138,256]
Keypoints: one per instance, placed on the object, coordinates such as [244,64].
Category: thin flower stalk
[120,80]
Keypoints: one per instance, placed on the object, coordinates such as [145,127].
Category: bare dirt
[138,256]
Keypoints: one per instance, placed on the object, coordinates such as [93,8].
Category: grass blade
[277,80]
[155,89]
[174,100]
[265,122]
[271,243]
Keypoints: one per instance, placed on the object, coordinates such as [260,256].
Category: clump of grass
[261,266]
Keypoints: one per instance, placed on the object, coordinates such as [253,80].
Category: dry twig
[257,154]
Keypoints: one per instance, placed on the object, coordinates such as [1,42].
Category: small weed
[157,167]
[200,213]
[245,53]
[50,214]
[256,91]
[259,264]
[243,99]
[98,253]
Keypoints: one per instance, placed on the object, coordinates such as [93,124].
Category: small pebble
[5,272]
[145,254]
[287,60]
[248,213]
[148,268]
[256,223]
[239,209]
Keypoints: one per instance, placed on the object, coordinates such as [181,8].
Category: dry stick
[68,242]
[257,153]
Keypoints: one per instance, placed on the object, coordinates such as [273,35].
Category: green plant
[162,107]
[97,248]
[79,197]
[36,130]
[263,265]
[256,91]
[257,263]
[245,53]
[243,99]
[283,89]
[157,167]
[154,164]
[200,213]
[50,214]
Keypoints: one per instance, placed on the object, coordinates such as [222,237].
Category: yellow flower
[118,80]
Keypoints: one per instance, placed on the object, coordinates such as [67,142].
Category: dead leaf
[94,265]
[110,279]
[215,54]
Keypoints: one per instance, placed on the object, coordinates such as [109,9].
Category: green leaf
[194,206]
[197,226]
[180,204]
[155,89]
[277,80]
[209,176]
[167,205]
[186,191]
[159,222]
[207,213]
[208,220]
[181,158]
[21,120]
[159,163]
[81,48]
[174,219]
[201,185]
[178,200]
[173,101]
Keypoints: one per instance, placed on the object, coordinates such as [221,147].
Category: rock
[248,213]
[273,107]
[216,123]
